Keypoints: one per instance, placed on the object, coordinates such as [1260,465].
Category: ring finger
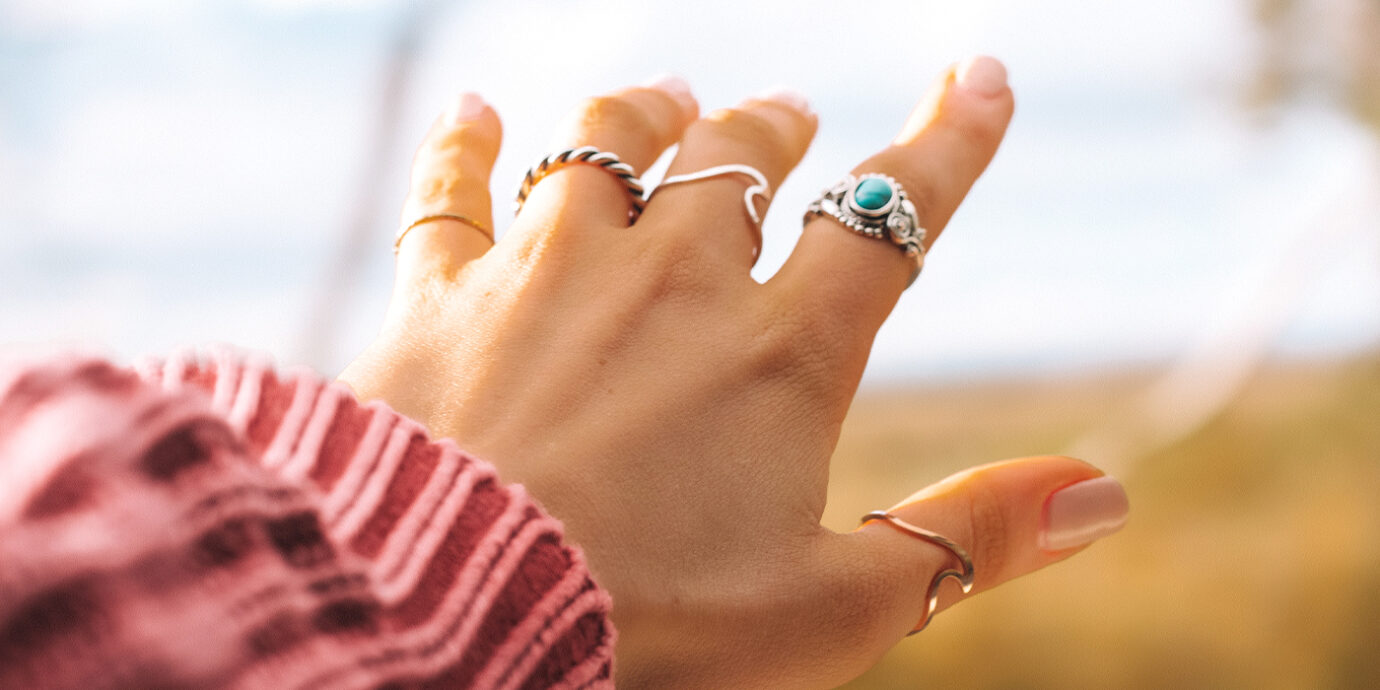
[769,133]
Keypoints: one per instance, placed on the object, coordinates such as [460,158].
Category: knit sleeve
[209,522]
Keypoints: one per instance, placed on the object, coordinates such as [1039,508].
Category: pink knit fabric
[211,523]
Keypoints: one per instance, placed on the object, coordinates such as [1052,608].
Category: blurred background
[1172,267]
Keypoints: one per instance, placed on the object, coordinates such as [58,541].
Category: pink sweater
[215,524]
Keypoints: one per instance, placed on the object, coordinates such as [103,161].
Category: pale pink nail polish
[1083,513]
[787,97]
[467,106]
[982,75]
[678,88]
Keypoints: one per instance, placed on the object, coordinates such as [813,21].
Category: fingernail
[789,98]
[675,86]
[982,75]
[467,106]
[1083,513]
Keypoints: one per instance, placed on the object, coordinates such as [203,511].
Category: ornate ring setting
[876,206]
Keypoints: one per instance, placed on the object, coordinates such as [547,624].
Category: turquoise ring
[875,206]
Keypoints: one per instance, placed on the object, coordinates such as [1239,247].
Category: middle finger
[635,124]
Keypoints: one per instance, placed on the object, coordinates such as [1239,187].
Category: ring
[402,232]
[874,205]
[759,189]
[587,155]
[964,576]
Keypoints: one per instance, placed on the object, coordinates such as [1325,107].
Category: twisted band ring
[759,189]
[874,205]
[402,232]
[964,576]
[587,155]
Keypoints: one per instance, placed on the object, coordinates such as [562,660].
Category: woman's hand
[678,416]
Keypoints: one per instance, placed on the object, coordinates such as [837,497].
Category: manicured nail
[982,75]
[467,106]
[675,86]
[788,97]
[1083,513]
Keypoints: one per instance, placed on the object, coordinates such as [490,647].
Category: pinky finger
[447,219]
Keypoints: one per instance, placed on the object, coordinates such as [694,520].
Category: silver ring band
[759,189]
[964,576]
[587,155]
[875,206]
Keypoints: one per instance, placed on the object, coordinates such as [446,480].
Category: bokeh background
[1172,267]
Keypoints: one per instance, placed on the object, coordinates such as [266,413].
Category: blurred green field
[1251,560]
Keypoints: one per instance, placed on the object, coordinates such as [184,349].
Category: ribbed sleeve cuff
[387,557]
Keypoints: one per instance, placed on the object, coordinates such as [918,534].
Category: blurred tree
[1310,51]
[321,329]
[1320,48]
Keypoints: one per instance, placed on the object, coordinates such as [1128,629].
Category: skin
[676,415]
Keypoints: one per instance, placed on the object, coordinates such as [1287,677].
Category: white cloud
[44,17]
[47,17]
[301,6]
[148,166]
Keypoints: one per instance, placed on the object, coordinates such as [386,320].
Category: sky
[176,173]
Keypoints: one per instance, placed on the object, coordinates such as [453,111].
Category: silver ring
[874,205]
[587,155]
[759,189]
[964,576]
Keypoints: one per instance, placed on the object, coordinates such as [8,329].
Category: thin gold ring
[964,576]
[487,232]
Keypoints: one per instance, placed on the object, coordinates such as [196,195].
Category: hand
[678,416]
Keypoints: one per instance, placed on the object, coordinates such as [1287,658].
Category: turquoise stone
[872,193]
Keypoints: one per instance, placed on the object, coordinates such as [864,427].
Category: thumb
[1011,517]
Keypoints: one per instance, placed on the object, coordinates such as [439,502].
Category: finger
[450,179]
[636,124]
[1011,517]
[852,281]
[770,133]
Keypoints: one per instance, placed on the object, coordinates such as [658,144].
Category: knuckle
[783,348]
[475,141]
[771,353]
[444,167]
[794,125]
[676,268]
[620,115]
[464,184]
[989,537]
[425,284]
[829,345]
[740,130]
[922,184]
[983,133]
